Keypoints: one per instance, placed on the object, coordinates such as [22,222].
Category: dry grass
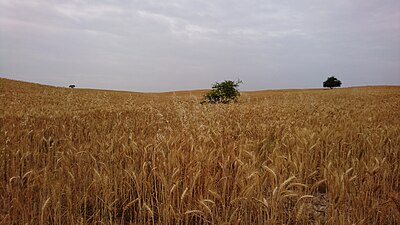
[278,157]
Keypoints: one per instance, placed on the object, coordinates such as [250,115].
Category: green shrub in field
[224,92]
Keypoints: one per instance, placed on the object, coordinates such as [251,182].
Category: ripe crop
[76,156]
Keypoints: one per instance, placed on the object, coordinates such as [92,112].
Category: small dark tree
[332,82]
[72,85]
[224,92]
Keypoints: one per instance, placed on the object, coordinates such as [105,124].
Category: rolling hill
[80,156]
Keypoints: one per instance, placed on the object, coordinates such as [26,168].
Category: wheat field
[77,156]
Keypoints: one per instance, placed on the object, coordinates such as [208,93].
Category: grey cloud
[170,45]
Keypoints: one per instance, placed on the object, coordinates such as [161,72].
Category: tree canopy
[224,92]
[332,82]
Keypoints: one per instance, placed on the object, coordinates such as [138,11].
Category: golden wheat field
[76,156]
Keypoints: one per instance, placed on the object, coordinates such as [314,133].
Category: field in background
[75,156]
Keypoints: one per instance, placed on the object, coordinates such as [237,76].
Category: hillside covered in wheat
[78,156]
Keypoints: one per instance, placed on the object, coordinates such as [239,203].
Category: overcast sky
[160,45]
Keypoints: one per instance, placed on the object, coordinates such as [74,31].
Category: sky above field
[156,45]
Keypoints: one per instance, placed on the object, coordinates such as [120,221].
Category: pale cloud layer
[156,45]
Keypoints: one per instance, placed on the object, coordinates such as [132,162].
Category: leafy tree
[332,82]
[224,92]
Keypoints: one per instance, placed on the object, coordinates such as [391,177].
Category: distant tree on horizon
[332,82]
[72,85]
